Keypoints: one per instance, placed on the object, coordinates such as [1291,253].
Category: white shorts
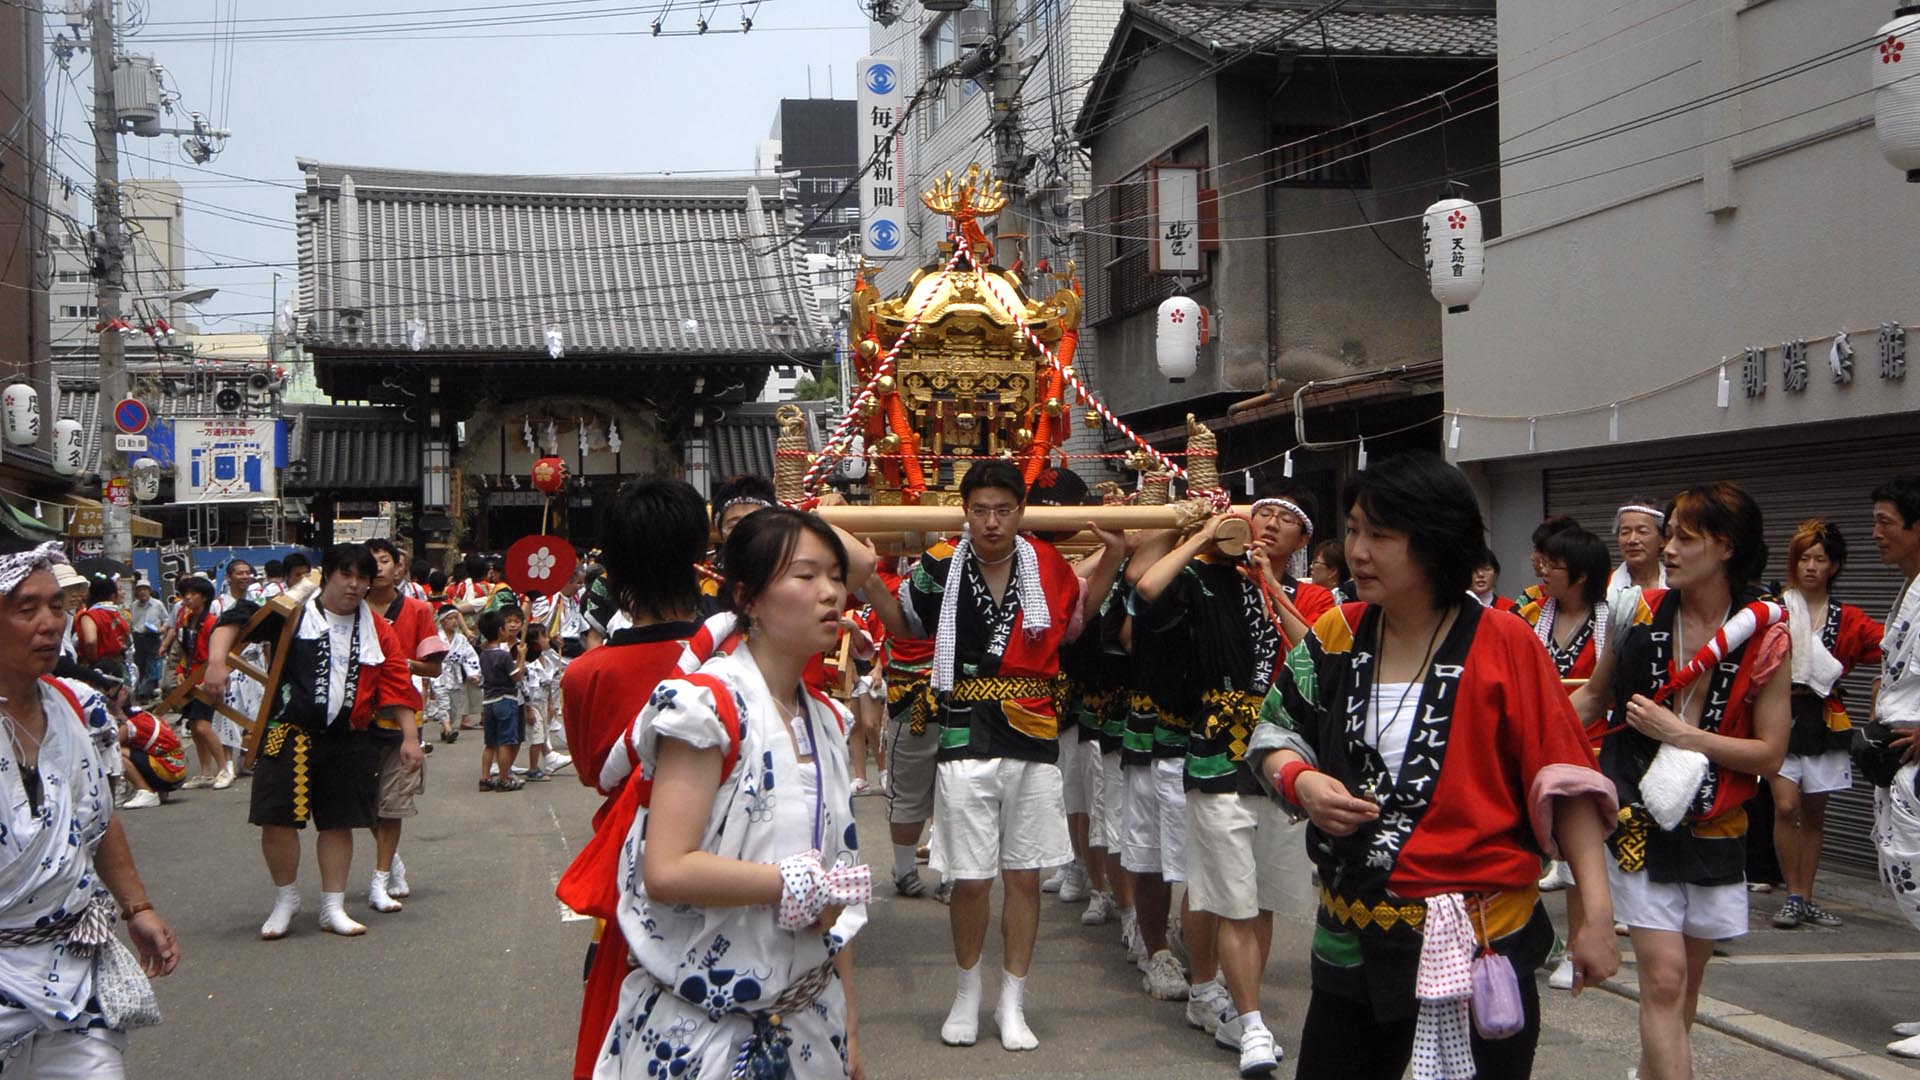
[1078,755]
[1245,857]
[1706,912]
[1818,774]
[533,721]
[1155,840]
[1109,804]
[997,814]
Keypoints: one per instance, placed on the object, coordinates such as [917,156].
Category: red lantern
[549,474]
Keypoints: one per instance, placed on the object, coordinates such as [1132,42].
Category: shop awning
[86,520]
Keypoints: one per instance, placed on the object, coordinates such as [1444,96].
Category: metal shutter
[1830,479]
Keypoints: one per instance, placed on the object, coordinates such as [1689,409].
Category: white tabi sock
[903,859]
[397,886]
[334,918]
[1251,1020]
[963,1020]
[1010,1014]
[378,897]
[286,904]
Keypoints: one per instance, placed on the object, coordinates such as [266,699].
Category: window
[71,277]
[942,46]
[77,311]
[1308,156]
[1119,277]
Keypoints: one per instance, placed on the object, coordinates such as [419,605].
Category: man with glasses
[998,608]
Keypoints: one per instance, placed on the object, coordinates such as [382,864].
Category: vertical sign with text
[883,215]
[1176,220]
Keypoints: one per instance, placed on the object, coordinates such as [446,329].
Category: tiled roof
[1434,29]
[744,440]
[668,268]
[355,448]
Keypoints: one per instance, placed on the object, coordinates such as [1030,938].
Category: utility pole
[1008,148]
[109,251]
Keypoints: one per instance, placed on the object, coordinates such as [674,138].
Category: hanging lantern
[22,404]
[69,447]
[1896,93]
[146,479]
[1456,254]
[549,474]
[1176,338]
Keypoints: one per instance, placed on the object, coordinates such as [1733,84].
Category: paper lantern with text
[549,474]
[69,447]
[146,479]
[1455,252]
[22,405]
[1176,338]
[1896,91]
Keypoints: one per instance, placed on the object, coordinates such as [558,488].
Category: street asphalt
[481,972]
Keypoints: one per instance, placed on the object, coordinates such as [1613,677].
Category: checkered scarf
[1035,618]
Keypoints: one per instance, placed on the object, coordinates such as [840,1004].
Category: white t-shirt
[340,641]
[1900,664]
[1390,725]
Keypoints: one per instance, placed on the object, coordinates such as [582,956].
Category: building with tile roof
[602,320]
[1318,140]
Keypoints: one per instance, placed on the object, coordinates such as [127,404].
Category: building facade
[1312,143]
[606,322]
[1695,207]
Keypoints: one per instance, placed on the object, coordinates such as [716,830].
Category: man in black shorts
[317,761]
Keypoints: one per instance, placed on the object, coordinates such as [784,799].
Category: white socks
[286,904]
[397,886]
[903,859]
[1010,1014]
[962,1026]
[334,918]
[1250,1021]
[378,896]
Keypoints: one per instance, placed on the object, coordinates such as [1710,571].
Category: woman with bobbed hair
[1429,742]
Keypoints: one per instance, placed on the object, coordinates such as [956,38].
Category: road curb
[1798,1044]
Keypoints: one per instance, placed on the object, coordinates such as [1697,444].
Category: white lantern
[69,447]
[1896,92]
[1456,255]
[22,405]
[1176,338]
[146,479]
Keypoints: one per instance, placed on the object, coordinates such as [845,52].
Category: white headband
[744,500]
[1290,507]
[15,568]
[1659,517]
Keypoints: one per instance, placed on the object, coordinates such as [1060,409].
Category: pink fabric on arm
[1077,621]
[1775,645]
[1557,783]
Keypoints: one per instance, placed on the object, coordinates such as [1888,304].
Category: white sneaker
[1258,1055]
[1052,884]
[195,783]
[1164,980]
[1906,1048]
[860,785]
[1227,1035]
[1099,910]
[1074,889]
[1562,977]
[141,800]
[1208,1007]
[1907,1027]
[224,778]
[1557,877]
[1132,941]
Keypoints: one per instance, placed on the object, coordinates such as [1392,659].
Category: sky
[554,93]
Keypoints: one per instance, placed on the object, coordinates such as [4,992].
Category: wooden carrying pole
[286,605]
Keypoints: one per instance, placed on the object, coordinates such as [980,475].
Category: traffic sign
[132,444]
[131,416]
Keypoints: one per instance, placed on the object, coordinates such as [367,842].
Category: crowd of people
[1184,738]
